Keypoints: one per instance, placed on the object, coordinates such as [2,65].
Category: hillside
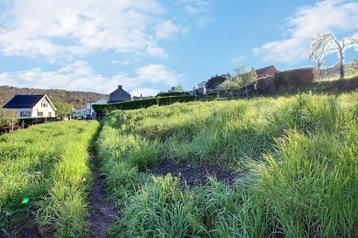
[260,167]
[76,98]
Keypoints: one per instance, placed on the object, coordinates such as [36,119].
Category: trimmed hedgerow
[143,103]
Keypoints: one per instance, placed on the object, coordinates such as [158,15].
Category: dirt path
[102,213]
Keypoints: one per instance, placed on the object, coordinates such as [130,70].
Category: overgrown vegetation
[295,160]
[7,118]
[44,180]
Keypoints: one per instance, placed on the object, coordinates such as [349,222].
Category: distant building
[88,111]
[201,88]
[31,106]
[266,72]
[119,95]
[89,105]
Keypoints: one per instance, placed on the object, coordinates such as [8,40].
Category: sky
[150,45]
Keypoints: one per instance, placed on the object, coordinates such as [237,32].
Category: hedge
[169,94]
[142,103]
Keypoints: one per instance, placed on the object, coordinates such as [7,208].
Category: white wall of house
[43,109]
[23,112]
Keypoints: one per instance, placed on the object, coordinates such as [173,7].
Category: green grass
[296,158]
[45,178]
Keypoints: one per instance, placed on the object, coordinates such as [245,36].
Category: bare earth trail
[102,212]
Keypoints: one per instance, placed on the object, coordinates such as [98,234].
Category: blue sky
[150,45]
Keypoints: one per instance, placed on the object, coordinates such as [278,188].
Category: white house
[31,106]
[89,106]
[88,111]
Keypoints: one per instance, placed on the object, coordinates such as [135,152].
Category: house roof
[119,95]
[265,69]
[26,101]
[23,101]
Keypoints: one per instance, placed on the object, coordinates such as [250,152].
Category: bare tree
[326,43]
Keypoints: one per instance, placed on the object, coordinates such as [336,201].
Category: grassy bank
[295,162]
[44,179]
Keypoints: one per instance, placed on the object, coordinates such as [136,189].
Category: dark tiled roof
[263,70]
[119,95]
[23,101]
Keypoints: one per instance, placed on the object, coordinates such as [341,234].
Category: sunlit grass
[44,173]
[296,159]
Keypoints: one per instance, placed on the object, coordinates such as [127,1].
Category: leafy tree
[176,89]
[326,43]
[230,86]
[8,118]
[247,78]
[63,108]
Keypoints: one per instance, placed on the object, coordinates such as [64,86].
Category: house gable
[119,95]
[266,72]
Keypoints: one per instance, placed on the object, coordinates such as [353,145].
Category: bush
[168,94]
[7,118]
[144,103]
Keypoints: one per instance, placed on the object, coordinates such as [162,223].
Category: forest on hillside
[77,98]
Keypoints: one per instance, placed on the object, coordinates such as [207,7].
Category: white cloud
[196,6]
[328,15]
[67,28]
[156,73]
[168,29]
[198,10]
[80,76]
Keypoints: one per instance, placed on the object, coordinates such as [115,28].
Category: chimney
[119,86]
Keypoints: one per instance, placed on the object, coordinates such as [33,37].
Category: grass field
[294,160]
[45,179]
[263,167]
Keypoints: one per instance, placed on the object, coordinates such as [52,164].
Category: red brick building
[266,72]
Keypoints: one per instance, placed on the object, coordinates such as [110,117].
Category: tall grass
[45,177]
[296,159]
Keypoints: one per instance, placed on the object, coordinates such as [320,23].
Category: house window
[40,114]
[49,114]
[25,114]
[43,104]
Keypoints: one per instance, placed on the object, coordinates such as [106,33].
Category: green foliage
[48,166]
[230,85]
[168,94]
[143,103]
[248,78]
[63,108]
[295,158]
[7,118]
[176,89]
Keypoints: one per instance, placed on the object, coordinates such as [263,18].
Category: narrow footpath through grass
[102,212]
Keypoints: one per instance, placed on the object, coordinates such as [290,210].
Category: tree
[8,118]
[63,108]
[247,78]
[176,89]
[326,43]
[230,86]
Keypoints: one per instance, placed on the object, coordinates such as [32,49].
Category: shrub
[168,94]
[143,103]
